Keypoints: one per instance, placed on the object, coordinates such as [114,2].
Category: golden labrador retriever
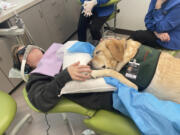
[111,55]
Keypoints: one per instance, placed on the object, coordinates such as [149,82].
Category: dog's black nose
[90,64]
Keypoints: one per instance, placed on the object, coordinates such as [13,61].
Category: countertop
[21,5]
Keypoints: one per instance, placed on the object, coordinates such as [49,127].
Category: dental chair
[8,111]
[7,114]
[101,121]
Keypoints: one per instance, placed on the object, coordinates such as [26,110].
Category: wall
[132,13]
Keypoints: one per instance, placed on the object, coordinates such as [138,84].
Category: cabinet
[53,14]
[72,8]
[61,17]
[35,23]
[6,63]
[5,84]
[52,21]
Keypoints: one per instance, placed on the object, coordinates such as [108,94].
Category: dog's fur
[111,55]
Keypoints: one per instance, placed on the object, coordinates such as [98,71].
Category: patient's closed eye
[98,52]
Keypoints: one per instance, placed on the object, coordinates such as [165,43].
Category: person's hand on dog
[164,37]
[79,72]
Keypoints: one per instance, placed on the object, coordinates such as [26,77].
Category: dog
[111,56]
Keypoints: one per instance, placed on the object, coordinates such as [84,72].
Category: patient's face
[33,57]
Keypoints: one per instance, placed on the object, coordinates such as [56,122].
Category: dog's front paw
[94,74]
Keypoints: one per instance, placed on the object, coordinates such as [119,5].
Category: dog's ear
[116,47]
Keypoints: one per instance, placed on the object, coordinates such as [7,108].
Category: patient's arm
[43,90]
[114,74]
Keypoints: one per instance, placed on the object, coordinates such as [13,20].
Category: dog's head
[108,53]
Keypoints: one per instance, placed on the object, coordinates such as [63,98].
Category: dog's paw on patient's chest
[94,74]
[101,73]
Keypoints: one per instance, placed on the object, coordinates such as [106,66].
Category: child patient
[46,78]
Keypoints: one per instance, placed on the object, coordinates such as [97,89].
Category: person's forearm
[149,21]
[44,91]
[53,85]
[167,23]
[62,78]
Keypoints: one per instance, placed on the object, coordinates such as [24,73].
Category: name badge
[132,70]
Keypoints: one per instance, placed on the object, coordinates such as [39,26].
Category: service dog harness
[140,70]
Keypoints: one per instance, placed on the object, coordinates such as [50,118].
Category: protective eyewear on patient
[21,51]
[25,52]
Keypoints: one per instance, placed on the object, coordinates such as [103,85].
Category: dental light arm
[16,30]
[12,31]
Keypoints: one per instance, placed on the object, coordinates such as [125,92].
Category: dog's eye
[98,52]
